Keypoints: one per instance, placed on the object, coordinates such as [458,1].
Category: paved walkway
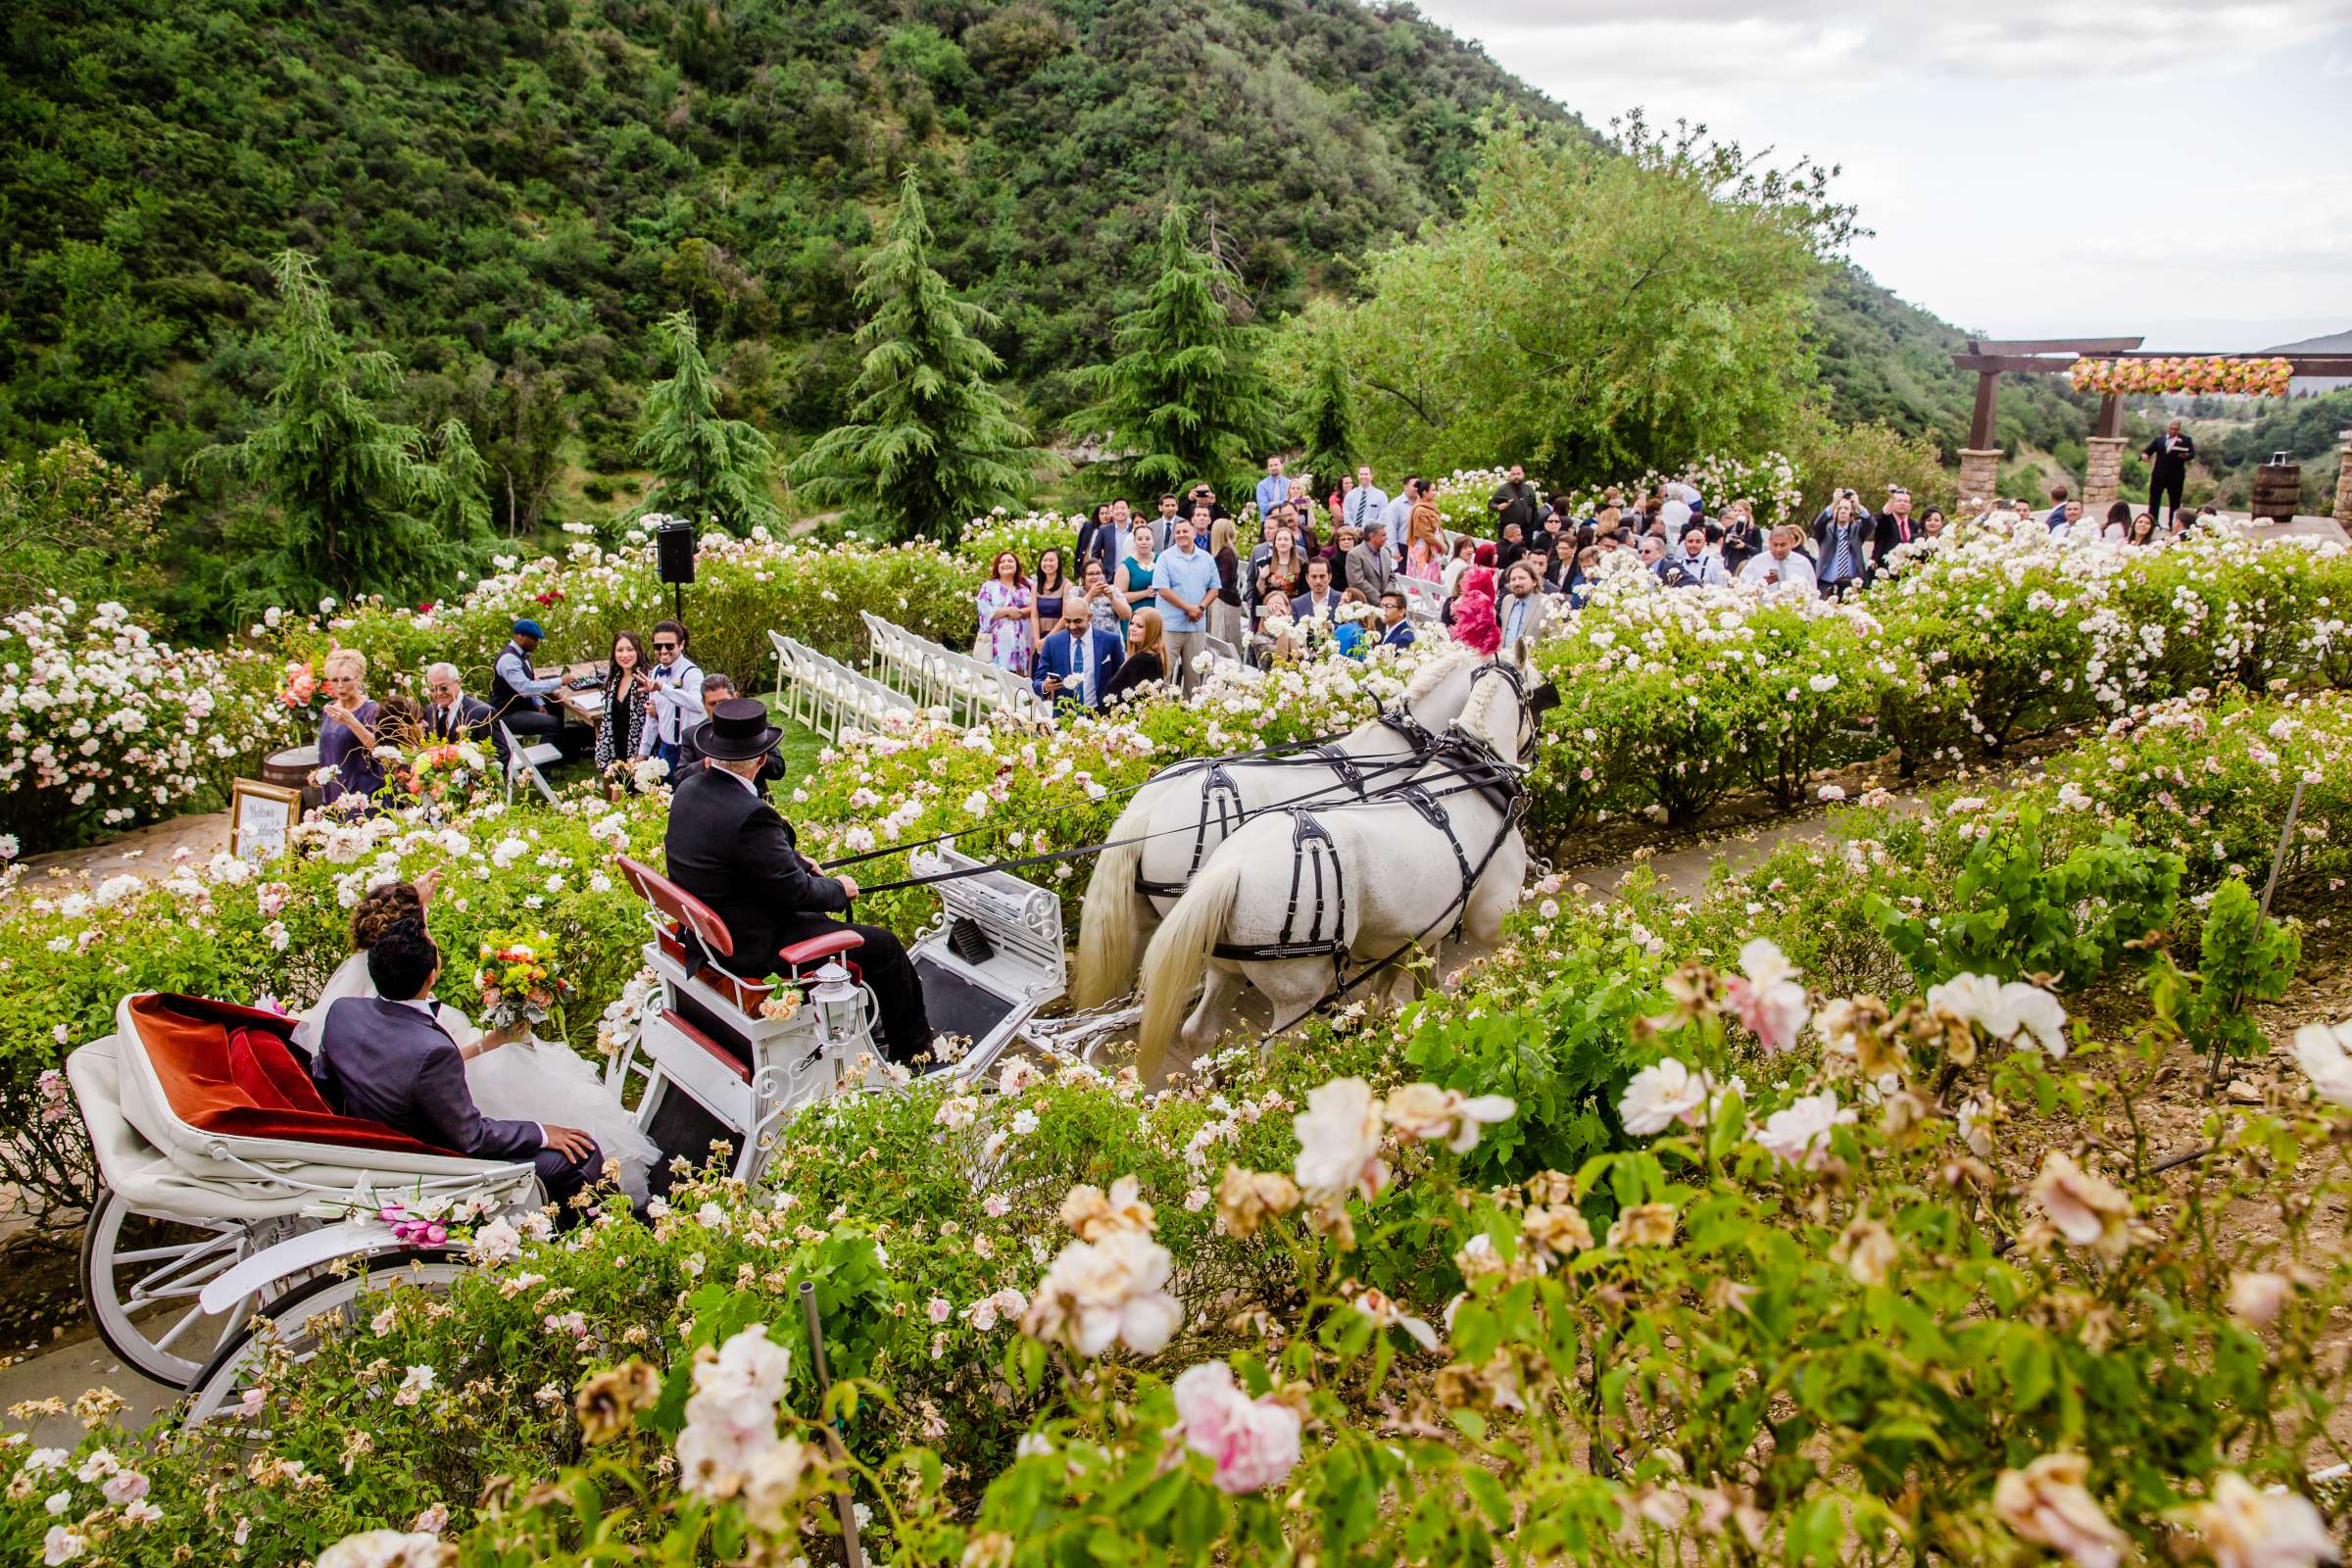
[71,1371]
[144,851]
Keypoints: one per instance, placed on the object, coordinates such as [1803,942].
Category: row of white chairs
[827,695]
[969,689]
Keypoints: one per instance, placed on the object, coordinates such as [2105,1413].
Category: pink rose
[1254,1442]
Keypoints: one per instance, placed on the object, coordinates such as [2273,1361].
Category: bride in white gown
[511,1078]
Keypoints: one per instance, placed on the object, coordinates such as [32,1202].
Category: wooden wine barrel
[292,769]
[2278,491]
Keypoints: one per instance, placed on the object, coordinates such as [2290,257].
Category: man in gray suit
[388,1059]
[1368,569]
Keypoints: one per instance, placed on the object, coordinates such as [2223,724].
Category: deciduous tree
[1597,308]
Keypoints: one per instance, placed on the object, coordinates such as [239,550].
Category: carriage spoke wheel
[297,1323]
[141,1275]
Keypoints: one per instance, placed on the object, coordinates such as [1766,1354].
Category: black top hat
[738,731]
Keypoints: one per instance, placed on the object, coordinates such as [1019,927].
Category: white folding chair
[526,760]
[786,692]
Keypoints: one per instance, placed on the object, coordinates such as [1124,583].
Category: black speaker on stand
[674,548]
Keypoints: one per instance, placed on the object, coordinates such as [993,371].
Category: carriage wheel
[139,1277]
[301,1318]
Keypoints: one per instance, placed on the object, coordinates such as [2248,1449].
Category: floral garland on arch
[2187,374]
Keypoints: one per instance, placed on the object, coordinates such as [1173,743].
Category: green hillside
[509,193]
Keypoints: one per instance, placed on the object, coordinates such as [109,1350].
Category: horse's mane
[1479,717]
[1433,673]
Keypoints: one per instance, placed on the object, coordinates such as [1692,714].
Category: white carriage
[231,1193]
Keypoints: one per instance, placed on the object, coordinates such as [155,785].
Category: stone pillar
[2343,478]
[2102,476]
[1980,474]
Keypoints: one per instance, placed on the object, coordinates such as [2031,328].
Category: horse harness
[1315,860]
[1221,797]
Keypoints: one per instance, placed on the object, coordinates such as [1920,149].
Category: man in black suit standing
[2168,457]
[386,1058]
[728,848]
[1894,527]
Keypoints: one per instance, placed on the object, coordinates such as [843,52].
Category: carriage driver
[728,848]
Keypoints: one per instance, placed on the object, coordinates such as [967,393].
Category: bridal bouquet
[519,978]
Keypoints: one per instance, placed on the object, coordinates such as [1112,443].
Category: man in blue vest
[518,692]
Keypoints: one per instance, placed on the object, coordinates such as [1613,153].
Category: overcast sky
[2031,167]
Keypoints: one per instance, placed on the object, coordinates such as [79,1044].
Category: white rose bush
[1357,1345]
[102,726]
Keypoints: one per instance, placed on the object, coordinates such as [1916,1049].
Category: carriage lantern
[840,1003]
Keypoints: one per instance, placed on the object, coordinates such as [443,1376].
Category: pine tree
[1187,396]
[362,506]
[932,443]
[706,469]
[1325,418]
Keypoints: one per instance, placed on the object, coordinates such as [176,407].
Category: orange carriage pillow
[189,1041]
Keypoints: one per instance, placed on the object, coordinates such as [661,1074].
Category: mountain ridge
[508,194]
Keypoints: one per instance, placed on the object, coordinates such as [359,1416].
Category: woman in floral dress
[1006,601]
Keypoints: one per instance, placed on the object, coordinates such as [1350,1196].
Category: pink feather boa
[1474,625]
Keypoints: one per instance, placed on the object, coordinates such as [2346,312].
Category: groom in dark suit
[728,848]
[390,1060]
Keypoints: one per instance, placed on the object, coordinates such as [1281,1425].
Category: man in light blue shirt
[1274,490]
[1366,504]
[1397,514]
[1187,582]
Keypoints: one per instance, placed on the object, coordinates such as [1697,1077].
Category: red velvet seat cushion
[188,1041]
[260,1064]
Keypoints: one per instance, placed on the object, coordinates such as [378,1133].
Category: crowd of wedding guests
[1138,598]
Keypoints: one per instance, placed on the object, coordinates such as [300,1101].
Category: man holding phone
[1077,661]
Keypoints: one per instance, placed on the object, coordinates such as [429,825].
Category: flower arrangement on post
[519,979]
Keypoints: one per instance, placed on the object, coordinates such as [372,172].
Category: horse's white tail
[1178,957]
[1106,925]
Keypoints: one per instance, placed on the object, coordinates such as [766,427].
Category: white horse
[1171,827]
[1299,893]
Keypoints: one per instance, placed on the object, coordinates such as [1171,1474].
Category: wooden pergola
[1990,357]
[2048,356]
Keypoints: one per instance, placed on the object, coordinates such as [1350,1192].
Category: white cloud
[2072,40]
[2028,166]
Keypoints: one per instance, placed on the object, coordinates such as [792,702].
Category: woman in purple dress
[347,731]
